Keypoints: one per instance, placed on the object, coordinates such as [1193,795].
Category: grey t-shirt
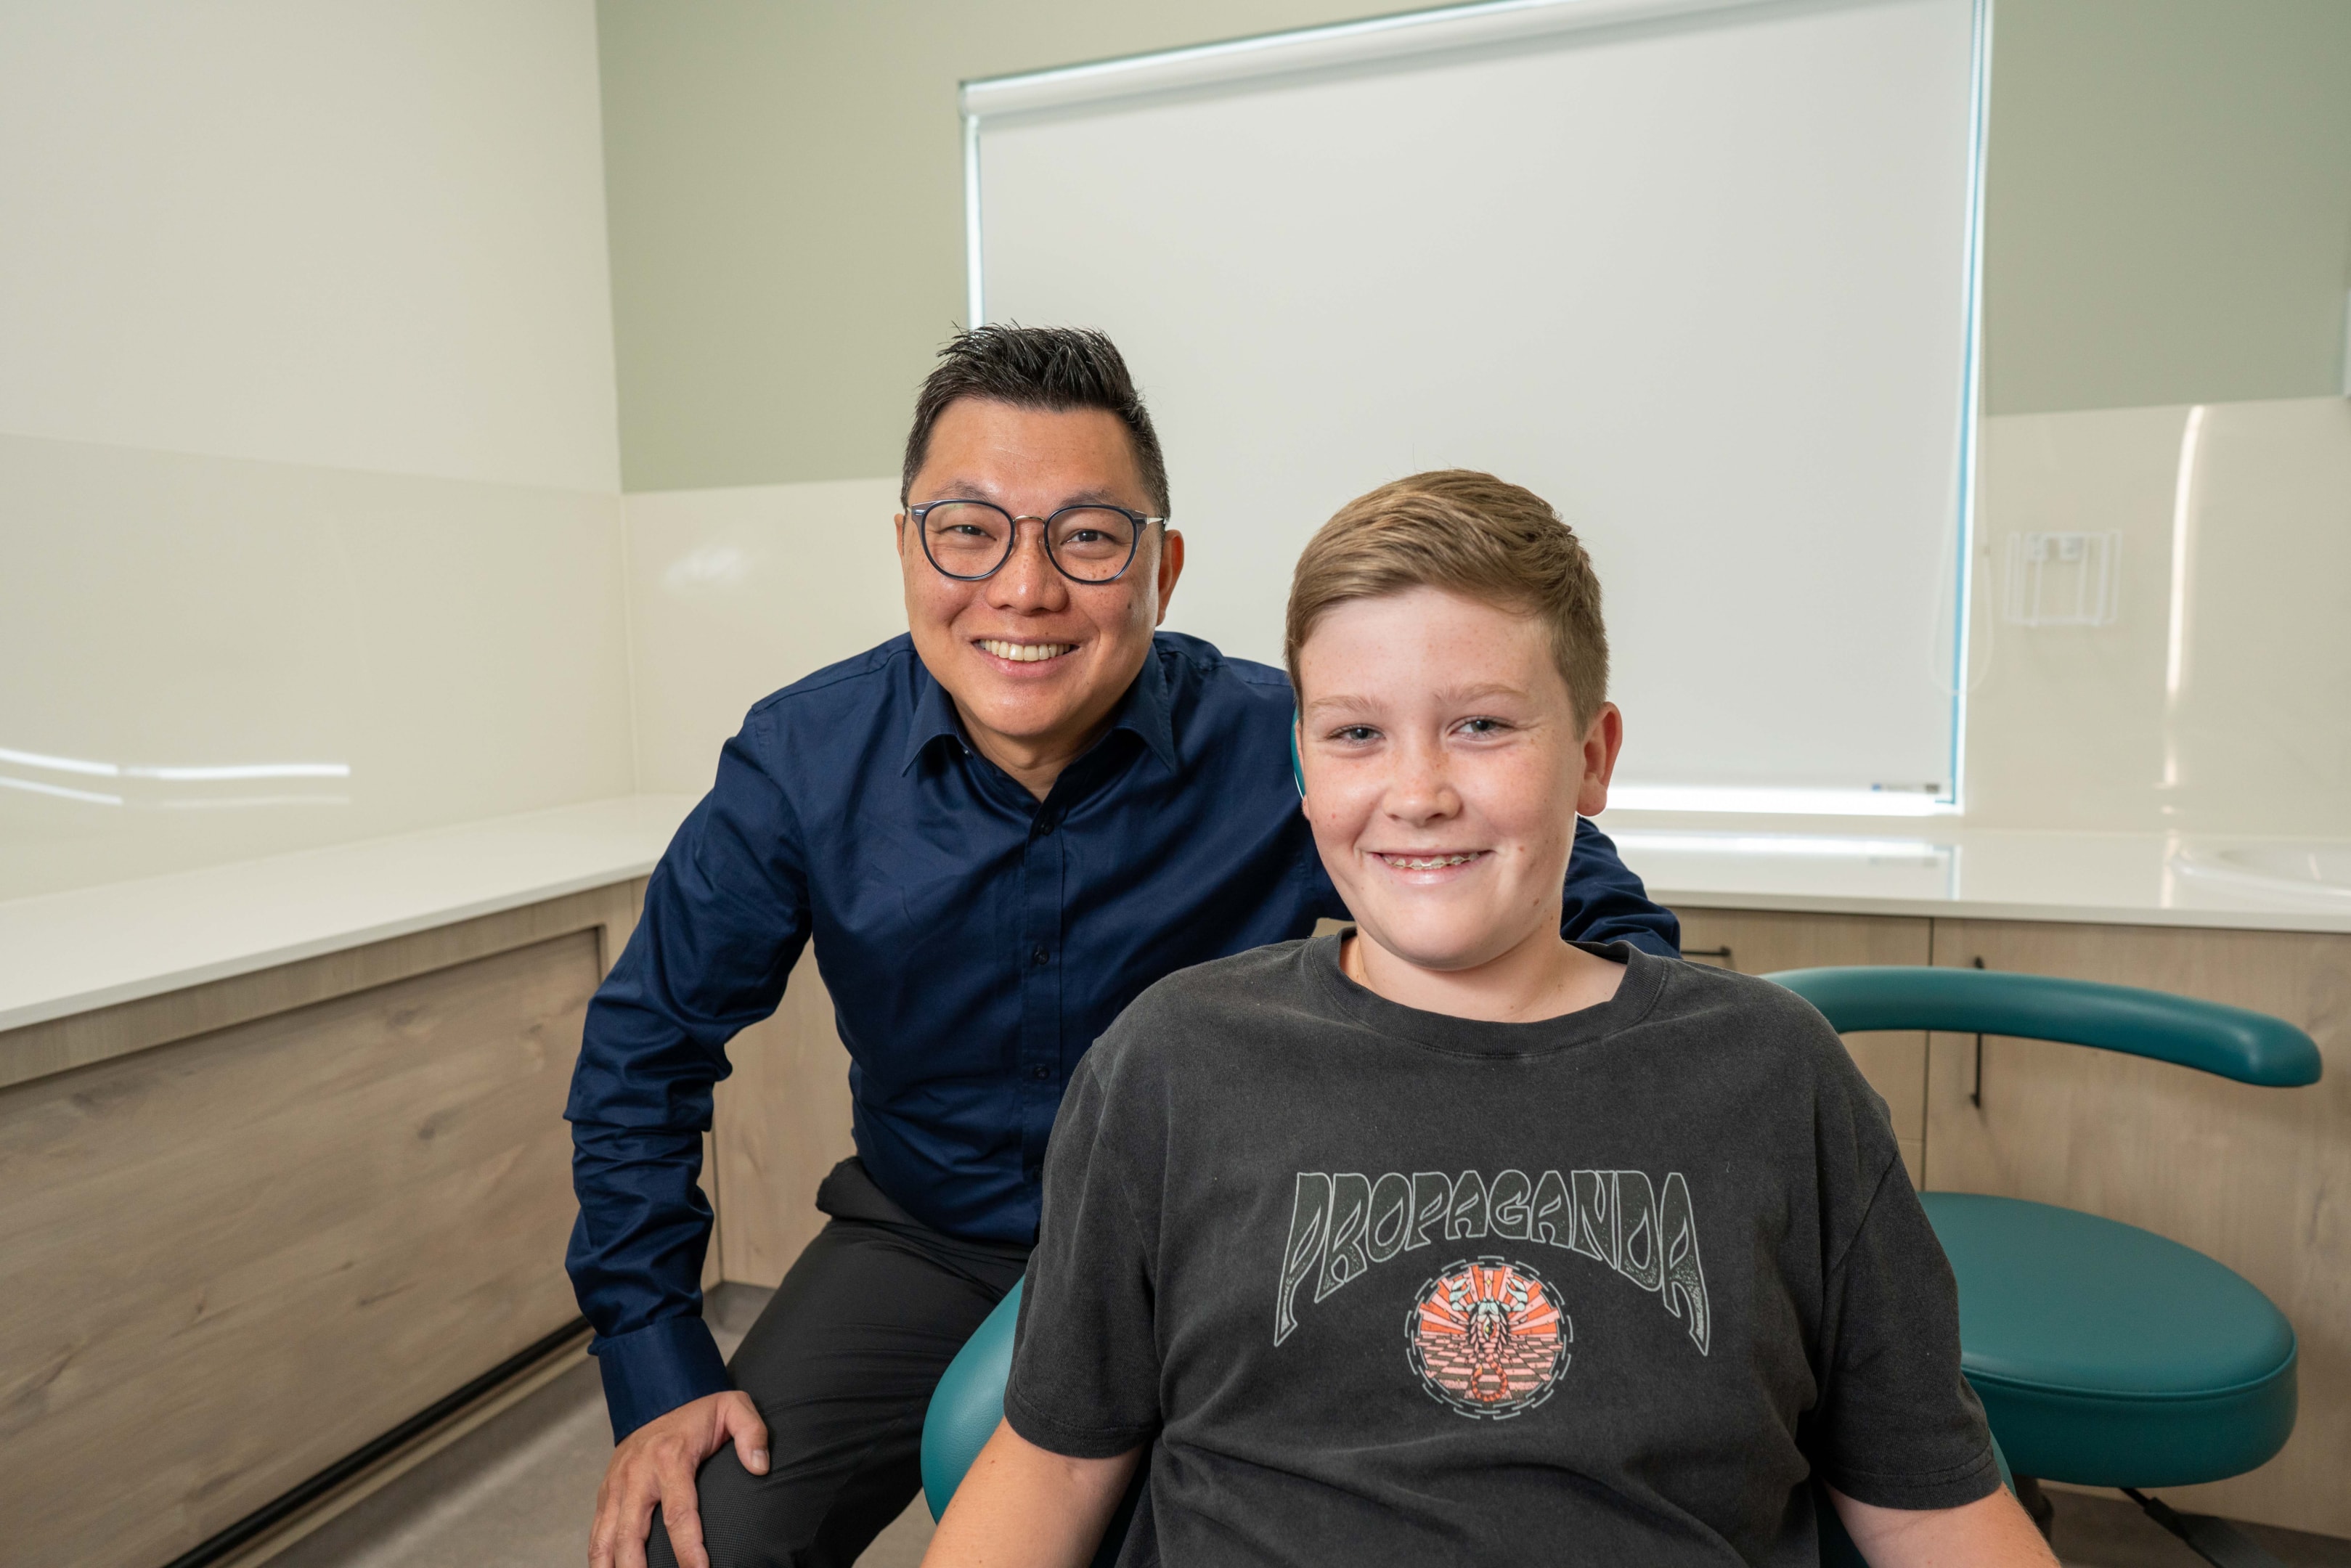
[1380,1285]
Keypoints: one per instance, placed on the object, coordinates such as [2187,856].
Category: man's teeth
[1428,862]
[1026,653]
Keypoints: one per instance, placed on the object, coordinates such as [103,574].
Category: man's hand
[655,1464]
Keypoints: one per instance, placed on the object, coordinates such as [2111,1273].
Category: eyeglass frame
[921,512]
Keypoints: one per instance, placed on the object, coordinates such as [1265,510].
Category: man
[998,830]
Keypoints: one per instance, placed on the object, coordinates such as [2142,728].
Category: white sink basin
[2323,869]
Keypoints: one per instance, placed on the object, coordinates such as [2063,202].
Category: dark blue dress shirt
[975,941]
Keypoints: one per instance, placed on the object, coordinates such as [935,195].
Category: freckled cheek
[1526,802]
[1510,797]
[1340,812]
[941,610]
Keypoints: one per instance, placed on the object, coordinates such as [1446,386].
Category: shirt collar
[1143,711]
[934,717]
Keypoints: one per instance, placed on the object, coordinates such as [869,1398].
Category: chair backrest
[965,1409]
[968,1403]
[2235,1042]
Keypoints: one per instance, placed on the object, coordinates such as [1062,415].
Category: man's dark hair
[1052,367]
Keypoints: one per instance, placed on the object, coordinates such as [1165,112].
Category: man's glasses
[971,539]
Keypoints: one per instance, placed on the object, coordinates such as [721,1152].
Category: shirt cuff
[652,1371]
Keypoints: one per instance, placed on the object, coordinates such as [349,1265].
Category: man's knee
[729,1511]
[820,1515]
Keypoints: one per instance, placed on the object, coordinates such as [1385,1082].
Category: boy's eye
[1355,733]
[1483,725]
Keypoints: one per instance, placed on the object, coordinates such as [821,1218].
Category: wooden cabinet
[782,1122]
[230,1258]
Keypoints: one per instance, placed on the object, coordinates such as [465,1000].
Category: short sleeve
[1898,1426]
[1085,1359]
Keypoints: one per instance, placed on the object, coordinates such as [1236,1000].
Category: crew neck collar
[1637,993]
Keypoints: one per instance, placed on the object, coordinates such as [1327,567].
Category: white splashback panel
[1702,282]
[201,624]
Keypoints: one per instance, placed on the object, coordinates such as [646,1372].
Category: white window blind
[1703,274]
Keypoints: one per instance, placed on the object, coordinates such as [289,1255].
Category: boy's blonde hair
[1471,534]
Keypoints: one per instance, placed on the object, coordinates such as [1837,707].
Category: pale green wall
[785,179]
[2169,208]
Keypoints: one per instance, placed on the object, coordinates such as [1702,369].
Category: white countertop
[71,952]
[65,953]
[1937,867]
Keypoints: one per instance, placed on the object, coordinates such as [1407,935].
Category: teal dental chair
[969,1402]
[2106,1355]
[965,1409]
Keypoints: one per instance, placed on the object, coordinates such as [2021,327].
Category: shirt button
[1041,1072]
[1044,827]
[1040,955]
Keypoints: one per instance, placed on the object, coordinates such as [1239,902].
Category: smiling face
[1443,770]
[1034,661]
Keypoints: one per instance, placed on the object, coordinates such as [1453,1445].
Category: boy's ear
[1603,740]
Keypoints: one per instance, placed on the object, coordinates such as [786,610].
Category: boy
[1445,1240]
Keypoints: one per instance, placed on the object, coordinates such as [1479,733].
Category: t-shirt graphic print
[1374,1284]
[1487,1335]
[1342,1224]
[1488,1338]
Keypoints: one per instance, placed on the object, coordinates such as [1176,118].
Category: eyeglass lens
[971,539]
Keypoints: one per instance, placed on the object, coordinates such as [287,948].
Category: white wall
[308,451]
[735,592]
[365,235]
[2079,726]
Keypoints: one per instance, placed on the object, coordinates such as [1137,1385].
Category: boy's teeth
[1026,653]
[1425,863]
